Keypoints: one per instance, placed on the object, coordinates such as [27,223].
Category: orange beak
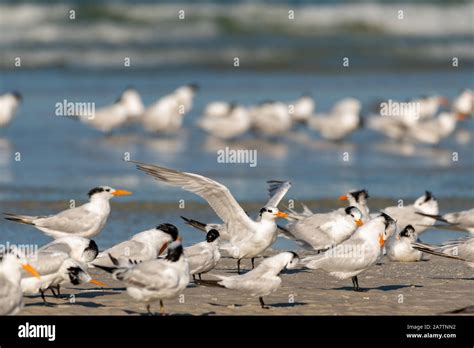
[359,222]
[343,198]
[96,282]
[281,214]
[381,240]
[121,193]
[398,237]
[162,249]
[30,269]
[461,116]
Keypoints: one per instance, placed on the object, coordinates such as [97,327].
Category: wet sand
[430,287]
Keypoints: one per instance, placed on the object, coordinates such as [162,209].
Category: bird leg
[200,276]
[54,293]
[162,308]
[263,303]
[238,266]
[148,309]
[253,262]
[44,299]
[194,278]
[355,283]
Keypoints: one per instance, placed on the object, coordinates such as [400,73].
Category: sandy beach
[436,286]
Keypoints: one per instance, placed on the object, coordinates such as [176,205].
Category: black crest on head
[93,249]
[358,195]
[174,253]
[348,210]
[94,191]
[387,218]
[428,196]
[170,229]
[212,235]
[409,229]
[17,95]
[263,210]
[193,86]
[73,273]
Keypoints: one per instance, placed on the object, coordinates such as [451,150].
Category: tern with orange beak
[143,246]
[11,299]
[248,238]
[61,262]
[322,231]
[154,280]
[276,191]
[356,254]
[87,220]
[399,246]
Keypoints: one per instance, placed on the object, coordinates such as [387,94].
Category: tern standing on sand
[204,256]
[86,220]
[155,280]
[263,280]
[356,254]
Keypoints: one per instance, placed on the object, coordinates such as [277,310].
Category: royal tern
[434,130]
[358,199]
[86,220]
[463,105]
[458,221]
[460,249]
[322,231]
[217,109]
[80,249]
[248,238]
[429,105]
[127,107]
[356,254]
[271,118]
[143,246]
[231,125]
[11,295]
[9,103]
[276,191]
[204,256]
[303,108]
[154,280]
[408,215]
[167,113]
[399,248]
[56,268]
[261,281]
[343,119]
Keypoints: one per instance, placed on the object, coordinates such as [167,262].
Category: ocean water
[61,159]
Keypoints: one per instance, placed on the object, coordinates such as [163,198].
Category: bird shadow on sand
[286,304]
[98,293]
[382,288]
[449,278]
[157,314]
[57,304]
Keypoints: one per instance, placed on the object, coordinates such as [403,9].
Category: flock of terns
[154,266]
[426,120]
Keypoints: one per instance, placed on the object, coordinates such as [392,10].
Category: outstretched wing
[277,190]
[217,195]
